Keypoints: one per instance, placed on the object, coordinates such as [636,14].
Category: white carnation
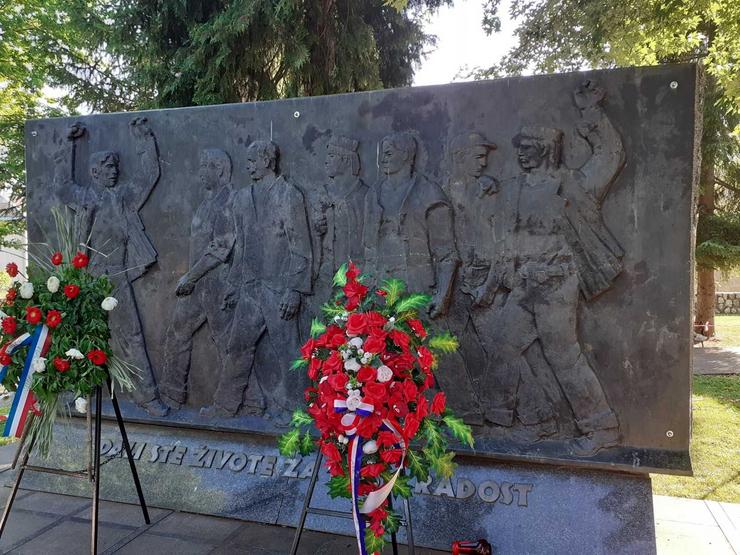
[109,303]
[81,405]
[52,284]
[74,353]
[370,447]
[27,290]
[352,365]
[39,364]
[356,342]
[384,374]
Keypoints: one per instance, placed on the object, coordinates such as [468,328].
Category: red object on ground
[480,547]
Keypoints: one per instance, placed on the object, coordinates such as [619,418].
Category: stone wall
[727,303]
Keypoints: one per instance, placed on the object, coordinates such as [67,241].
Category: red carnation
[439,403]
[353,272]
[410,426]
[80,260]
[391,456]
[409,390]
[426,358]
[372,470]
[313,368]
[9,325]
[387,439]
[33,315]
[429,382]
[355,324]
[71,291]
[56,258]
[366,374]
[53,318]
[338,381]
[97,357]
[12,269]
[5,359]
[61,364]
[11,295]
[374,344]
[401,339]
[355,292]
[375,319]
[422,407]
[307,349]
[376,390]
[418,328]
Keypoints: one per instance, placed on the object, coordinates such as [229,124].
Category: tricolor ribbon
[376,498]
[38,344]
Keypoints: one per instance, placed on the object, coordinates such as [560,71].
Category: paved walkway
[716,360]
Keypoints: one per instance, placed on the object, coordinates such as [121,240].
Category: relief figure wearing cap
[337,213]
[560,252]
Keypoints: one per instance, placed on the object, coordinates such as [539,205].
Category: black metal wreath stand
[307,509]
[92,473]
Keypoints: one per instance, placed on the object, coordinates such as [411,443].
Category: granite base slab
[519,508]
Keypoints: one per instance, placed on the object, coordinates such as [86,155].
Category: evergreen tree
[567,35]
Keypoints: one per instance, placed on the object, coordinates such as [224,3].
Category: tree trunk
[705,286]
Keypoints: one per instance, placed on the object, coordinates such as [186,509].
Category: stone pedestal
[519,508]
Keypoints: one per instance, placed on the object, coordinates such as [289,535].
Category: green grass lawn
[715,444]
[727,330]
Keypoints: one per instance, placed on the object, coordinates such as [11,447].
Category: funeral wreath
[371,367]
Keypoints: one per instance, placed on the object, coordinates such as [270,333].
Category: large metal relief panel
[550,219]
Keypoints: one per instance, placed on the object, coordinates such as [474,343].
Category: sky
[462,42]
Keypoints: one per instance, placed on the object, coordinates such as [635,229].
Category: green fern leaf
[444,342]
[436,442]
[298,364]
[307,444]
[317,327]
[339,487]
[415,301]
[394,288]
[289,443]
[340,278]
[300,418]
[417,466]
[330,310]
[459,429]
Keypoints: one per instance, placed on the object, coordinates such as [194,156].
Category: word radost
[301,468]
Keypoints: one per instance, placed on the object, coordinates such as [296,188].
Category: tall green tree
[567,35]
[167,53]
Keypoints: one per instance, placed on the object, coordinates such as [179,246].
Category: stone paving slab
[716,361]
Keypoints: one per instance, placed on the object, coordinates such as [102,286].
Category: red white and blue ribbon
[38,344]
[374,499]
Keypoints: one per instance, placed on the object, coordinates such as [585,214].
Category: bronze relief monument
[550,219]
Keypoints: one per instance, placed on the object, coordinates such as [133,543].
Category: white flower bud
[39,364]
[81,405]
[366,357]
[52,284]
[74,353]
[27,290]
[109,303]
[370,447]
[384,374]
[343,440]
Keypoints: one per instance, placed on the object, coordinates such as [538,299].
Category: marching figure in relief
[107,212]
[408,230]
[479,203]
[201,290]
[558,249]
[270,271]
[338,212]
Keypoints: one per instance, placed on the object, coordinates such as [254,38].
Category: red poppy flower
[71,291]
[33,315]
[9,325]
[418,328]
[80,260]
[56,258]
[11,295]
[61,364]
[439,403]
[53,318]
[356,324]
[366,374]
[12,269]
[374,344]
[5,359]
[97,357]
